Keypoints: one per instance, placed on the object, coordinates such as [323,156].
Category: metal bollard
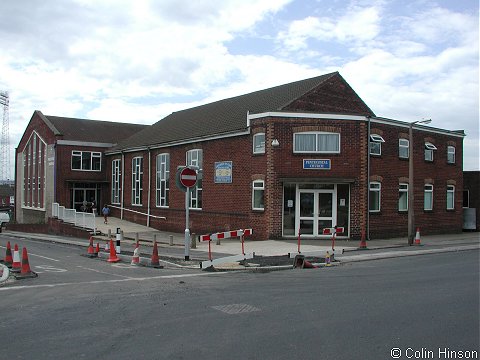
[193,241]
[171,240]
[218,241]
[154,238]
[109,233]
[136,238]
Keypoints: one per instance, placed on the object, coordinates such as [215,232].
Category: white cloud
[356,25]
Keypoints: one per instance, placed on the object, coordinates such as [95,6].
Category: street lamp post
[411,211]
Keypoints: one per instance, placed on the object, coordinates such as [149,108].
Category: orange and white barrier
[226,235]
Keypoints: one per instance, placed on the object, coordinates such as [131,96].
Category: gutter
[367,235]
[149,185]
[123,186]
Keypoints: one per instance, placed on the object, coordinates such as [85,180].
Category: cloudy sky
[139,60]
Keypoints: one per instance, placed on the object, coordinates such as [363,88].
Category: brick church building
[294,158]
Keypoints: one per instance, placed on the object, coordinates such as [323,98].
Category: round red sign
[188,177]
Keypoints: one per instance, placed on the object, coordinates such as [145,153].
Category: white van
[4,218]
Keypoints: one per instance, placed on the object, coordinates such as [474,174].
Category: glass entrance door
[317,211]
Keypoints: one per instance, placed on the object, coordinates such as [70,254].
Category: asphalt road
[80,308]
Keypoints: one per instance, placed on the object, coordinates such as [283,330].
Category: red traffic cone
[363,243]
[8,256]
[417,237]
[155,261]
[107,245]
[16,265]
[113,254]
[97,250]
[25,272]
[90,251]
[136,257]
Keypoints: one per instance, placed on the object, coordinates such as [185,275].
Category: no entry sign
[188,177]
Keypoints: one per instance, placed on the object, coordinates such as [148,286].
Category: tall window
[403,148]
[116,181]
[86,160]
[316,142]
[450,197]
[429,147]
[259,143]
[34,155]
[163,179]
[403,197]
[137,177]
[428,197]
[451,154]
[375,188]
[195,158]
[258,195]
[376,144]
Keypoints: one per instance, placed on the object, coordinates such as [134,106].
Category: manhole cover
[236,308]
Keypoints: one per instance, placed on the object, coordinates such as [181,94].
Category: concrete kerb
[356,256]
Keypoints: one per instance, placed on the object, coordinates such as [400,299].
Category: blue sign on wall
[223,172]
[322,164]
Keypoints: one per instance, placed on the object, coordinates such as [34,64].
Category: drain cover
[236,308]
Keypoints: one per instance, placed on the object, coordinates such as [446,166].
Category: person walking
[105,212]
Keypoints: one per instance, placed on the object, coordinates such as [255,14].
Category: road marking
[49,268]
[30,254]
[112,281]
[104,272]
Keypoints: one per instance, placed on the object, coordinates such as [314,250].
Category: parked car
[4,218]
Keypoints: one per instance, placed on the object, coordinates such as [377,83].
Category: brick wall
[229,206]
[393,170]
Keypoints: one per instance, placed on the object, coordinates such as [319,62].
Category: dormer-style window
[429,148]
[376,144]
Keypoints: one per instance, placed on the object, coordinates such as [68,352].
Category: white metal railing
[72,216]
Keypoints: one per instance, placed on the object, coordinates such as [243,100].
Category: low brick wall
[54,227]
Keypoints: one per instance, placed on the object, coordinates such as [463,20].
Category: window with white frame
[316,142]
[116,180]
[428,197]
[402,197]
[376,144]
[375,196]
[259,143]
[163,179]
[450,197]
[451,154]
[258,195]
[137,177]
[403,148]
[86,160]
[429,148]
[195,159]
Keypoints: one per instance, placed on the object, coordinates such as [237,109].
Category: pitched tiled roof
[92,130]
[230,115]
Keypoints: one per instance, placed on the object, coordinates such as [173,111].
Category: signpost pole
[187,230]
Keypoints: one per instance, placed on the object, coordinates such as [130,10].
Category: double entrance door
[317,210]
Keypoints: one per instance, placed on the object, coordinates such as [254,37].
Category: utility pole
[411,192]
[4,141]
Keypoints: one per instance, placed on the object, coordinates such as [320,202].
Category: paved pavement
[345,250]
